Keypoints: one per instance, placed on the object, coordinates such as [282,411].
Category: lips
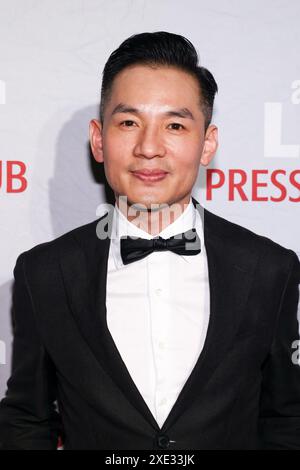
[150,176]
[155,172]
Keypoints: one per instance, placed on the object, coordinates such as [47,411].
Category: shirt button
[163,401]
[161,345]
[158,292]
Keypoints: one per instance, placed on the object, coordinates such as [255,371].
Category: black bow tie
[134,249]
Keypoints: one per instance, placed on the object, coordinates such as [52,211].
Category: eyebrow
[180,112]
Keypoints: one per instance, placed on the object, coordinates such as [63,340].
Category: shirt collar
[121,226]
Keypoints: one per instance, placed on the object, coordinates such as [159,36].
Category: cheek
[187,158]
[189,149]
[115,139]
[118,145]
[115,154]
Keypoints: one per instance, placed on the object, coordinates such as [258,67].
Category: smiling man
[154,134]
[160,325]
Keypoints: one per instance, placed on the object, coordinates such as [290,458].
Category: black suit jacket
[243,393]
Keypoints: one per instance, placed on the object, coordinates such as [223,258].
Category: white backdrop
[51,58]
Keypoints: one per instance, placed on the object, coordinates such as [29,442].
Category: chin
[145,198]
[141,204]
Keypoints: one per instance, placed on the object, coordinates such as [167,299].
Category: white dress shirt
[158,311]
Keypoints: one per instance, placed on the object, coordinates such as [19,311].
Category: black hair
[155,49]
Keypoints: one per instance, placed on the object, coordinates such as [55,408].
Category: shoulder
[45,253]
[274,254]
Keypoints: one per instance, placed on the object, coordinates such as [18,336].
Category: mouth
[150,175]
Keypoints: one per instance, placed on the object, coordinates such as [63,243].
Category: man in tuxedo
[159,325]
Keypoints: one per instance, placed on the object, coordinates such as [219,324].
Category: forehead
[159,85]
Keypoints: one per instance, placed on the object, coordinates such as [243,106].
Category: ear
[95,133]
[210,145]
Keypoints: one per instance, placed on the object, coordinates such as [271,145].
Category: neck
[153,220]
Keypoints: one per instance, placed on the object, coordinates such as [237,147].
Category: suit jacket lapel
[84,269]
[231,268]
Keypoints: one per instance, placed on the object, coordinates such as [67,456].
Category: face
[153,123]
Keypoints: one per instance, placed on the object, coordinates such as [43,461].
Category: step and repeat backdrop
[51,58]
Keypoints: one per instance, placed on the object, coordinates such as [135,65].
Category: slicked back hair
[159,48]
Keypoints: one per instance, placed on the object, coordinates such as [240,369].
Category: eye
[127,123]
[176,124]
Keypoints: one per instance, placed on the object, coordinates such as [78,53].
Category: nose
[149,144]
